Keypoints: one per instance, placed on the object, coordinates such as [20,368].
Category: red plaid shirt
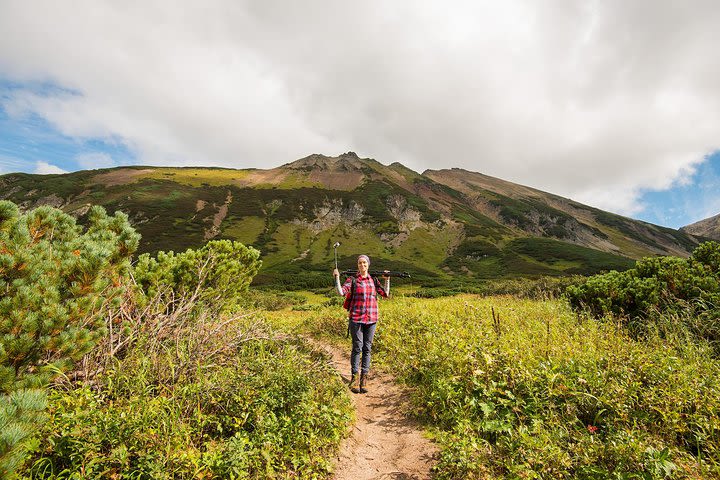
[364,307]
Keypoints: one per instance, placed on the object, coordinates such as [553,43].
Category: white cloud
[95,160]
[597,101]
[44,168]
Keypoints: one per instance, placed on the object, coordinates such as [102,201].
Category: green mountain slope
[445,223]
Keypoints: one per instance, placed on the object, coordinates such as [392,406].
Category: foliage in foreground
[538,392]
[57,279]
[272,408]
[186,390]
[171,385]
[689,289]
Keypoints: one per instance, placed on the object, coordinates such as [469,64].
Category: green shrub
[306,307]
[541,288]
[220,270]
[58,280]
[307,280]
[476,249]
[334,301]
[271,300]
[21,412]
[587,261]
[689,288]
[434,292]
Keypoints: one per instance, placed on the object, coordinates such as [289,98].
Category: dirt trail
[385,443]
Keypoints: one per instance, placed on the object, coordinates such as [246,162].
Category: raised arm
[339,288]
[386,285]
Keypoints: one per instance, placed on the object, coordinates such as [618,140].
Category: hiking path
[385,442]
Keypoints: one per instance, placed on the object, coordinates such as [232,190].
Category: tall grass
[543,392]
[535,391]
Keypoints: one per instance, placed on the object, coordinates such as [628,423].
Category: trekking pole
[378,273]
[337,244]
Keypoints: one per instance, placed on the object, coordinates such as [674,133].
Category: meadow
[160,368]
[509,387]
[173,367]
[523,388]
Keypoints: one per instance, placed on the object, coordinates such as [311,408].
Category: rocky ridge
[709,227]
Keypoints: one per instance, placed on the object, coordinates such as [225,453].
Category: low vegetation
[173,368]
[517,388]
[535,391]
[687,290]
[198,397]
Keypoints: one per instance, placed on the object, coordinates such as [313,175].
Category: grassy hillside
[440,224]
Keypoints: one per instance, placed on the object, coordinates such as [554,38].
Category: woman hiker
[363,311]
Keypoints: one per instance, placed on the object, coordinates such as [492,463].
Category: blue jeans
[362,340]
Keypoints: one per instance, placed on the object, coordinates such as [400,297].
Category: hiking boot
[363,383]
[355,384]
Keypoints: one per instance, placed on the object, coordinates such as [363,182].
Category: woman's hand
[385,277]
[336,273]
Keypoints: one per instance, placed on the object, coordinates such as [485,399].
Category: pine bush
[56,278]
[657,287]
[221,270]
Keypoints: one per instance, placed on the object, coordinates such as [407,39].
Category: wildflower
[592,428]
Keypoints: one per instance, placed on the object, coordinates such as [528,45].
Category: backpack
[349,298]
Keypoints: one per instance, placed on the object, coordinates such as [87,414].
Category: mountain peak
[348,161]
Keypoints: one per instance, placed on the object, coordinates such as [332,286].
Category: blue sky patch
[685,204]
[28,140]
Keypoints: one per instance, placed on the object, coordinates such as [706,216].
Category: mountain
[544,214]
[438,224]
[710,228]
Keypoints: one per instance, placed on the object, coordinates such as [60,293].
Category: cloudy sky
[615,103]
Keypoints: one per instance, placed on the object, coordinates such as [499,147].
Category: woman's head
[363,263]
